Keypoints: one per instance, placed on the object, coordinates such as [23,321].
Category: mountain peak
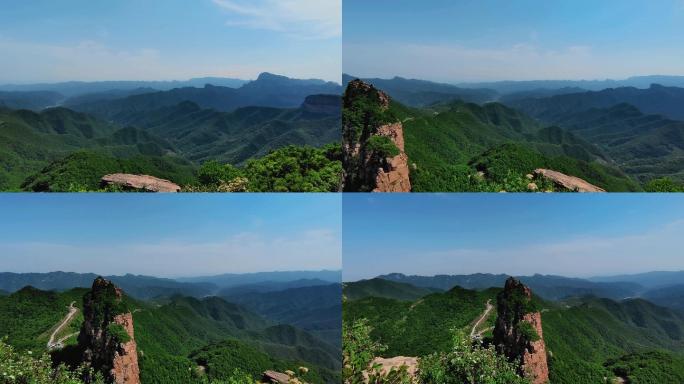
[263,76]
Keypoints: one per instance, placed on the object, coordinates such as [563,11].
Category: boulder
[571,183]
[140,182]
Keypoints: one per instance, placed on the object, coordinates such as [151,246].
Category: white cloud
[310,19]
[524,61]
[240,253]
[658,249]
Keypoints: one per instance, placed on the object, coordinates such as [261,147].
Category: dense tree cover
[664,185]
[464,363]
[82,171]
[169,332]
[288,169]
[28,316]
[358,352]
[648,367]
[639,129]
[28,367]
[587,339]
[384,289]
[449,144]
[421,327]
[468,363]
[62,150]
[317,309]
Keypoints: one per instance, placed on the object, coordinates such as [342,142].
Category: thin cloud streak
[313,249]
[523,61]
[307,19]
[658,249]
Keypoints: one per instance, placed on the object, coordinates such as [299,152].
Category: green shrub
[383,146]
[663,185]
[468,364]
[118,332]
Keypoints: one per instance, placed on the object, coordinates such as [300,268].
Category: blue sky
[47,40]
[484,40]
[165,235]
[578,235]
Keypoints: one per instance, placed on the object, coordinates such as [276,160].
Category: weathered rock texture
[273,377]
[364,116]
[106,321]
[140,182]
[571,183]
[518,332]
[397,362]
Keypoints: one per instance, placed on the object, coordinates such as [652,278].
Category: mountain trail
[52,344]
[488,308]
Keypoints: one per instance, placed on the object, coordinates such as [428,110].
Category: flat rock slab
[571,183]
[275,377]
[141,182]
[390,363]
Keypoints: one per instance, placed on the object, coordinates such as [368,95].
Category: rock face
[140,182]
[388,364]
[366,167]
[273,377]
[518,332]
[571,183]
[107,337]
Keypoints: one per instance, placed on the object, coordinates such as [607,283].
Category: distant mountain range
[166,134]
[148,287]
[78,88]
[659,286]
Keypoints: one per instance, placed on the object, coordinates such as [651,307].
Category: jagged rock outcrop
[140,182]
[570,183]
[373,142]
[107,335]
[518,332]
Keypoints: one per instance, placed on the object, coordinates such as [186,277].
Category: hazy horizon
[170,236]
[585,235]
[516,275]
[183,276]
[497,40]
[455,82]
[47,42]
[172,80]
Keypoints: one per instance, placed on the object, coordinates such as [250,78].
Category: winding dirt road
[488,308]
[52,344]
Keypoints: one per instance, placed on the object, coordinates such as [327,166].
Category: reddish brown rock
[273,377]
[103,349]
[534,362]
[518,332]
[125,368]
[394,176]
[364,168]
[140,182]
[571,183]
[396,363]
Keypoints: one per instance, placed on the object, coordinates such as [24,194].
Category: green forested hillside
[171,134]
[421,327]
[268,90]
[587,339]
[171,336]
[315,308]
[449,144]
[387,289]
[656,99]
